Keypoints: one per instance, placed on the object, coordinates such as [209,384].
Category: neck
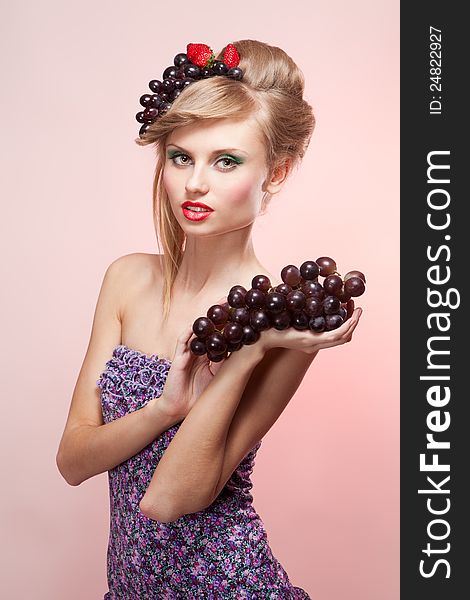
[217,262]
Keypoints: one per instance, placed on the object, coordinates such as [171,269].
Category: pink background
[77,194]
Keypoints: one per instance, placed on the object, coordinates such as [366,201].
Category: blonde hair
[271,92]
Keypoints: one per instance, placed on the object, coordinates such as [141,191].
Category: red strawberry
[200,54]
[231,57]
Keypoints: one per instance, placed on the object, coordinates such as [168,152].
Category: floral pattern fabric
[221,552]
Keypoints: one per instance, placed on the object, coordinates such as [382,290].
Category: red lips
[191,203]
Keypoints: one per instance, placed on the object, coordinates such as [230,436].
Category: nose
[196,182]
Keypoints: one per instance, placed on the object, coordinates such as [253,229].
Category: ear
[278,176]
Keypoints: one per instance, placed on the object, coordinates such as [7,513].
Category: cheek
[242,192]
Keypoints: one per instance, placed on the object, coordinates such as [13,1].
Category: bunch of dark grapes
[174,79]
[301,301]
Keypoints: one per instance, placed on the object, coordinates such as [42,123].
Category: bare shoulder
[134,273]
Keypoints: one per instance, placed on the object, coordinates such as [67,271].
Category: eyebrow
[221,151]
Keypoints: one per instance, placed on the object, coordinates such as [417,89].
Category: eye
[179,156]
[231,162]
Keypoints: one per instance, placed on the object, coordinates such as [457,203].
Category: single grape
[198,346]
[234,73]
[313,306]
[309,270]
[259,319]
[295,300]
[331,305]
[203,327]
[240,315]
[333,321]
[168,85]
[218,315]
[219,67]
[309,288]
[283,288]
[156,101]
[343,312]
[250,336]
[354,286]
[317,324]
[300,320]
[275,302]
[150,113]
[216,357]
[290,274]
[327,265]
[169,72]
[233,346]
[316,290]
[281,320]
[261,282]
[350,274]
[233,332]
[191,70]
[236,296]
[164,107]
[255,298]
[181,59]
[216,343]
[156,86]
[145,100]
[140,117]
[332,284]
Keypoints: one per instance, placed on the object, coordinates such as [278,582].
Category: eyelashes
[233,162]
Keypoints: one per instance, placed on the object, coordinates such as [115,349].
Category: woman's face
[220,164]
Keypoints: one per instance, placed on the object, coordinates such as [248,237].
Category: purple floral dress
[219,552]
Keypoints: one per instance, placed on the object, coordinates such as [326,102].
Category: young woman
[178,434]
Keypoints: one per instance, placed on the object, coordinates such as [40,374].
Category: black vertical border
[421,133]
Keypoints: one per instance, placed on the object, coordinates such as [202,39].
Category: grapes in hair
[301,302]
[192,71]
[145,100]
[156,86]
[181,59]
[170,72]
[219,67]
[168,85]
[235,73]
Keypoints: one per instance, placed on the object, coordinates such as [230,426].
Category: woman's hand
[188,377]
[308,341]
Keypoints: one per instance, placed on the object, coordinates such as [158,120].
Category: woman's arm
[231,416]
[92,449]
[186,476]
